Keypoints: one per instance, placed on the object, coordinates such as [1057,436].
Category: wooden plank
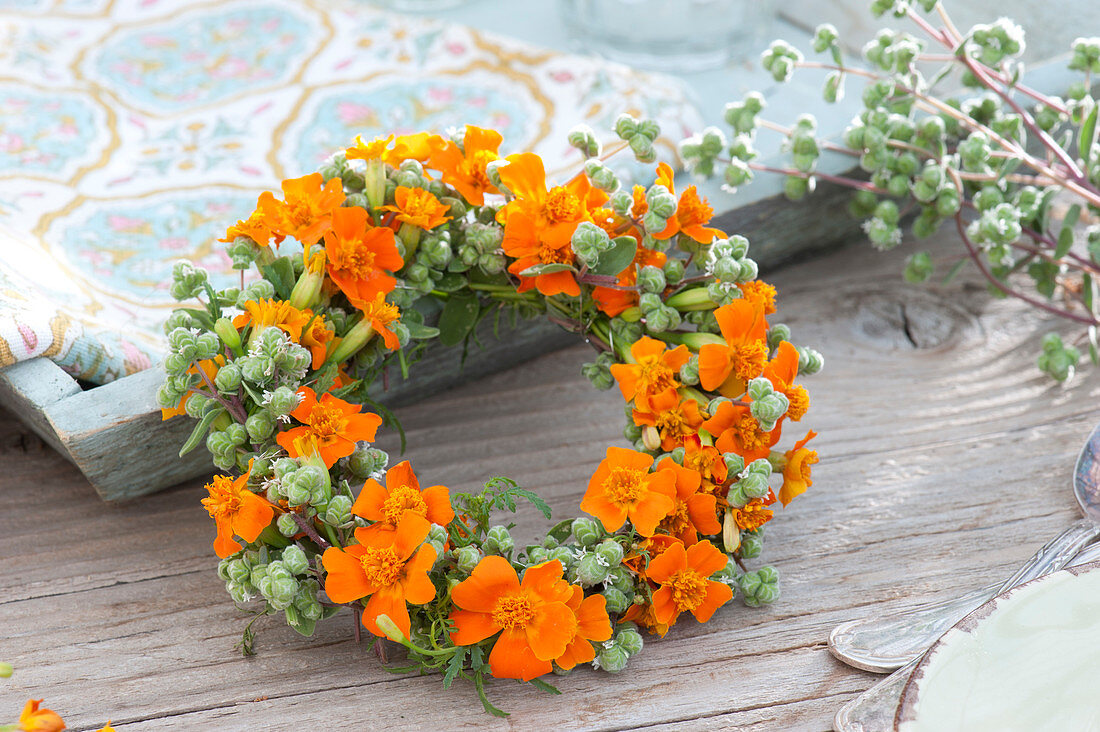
[29,387]
[946,461]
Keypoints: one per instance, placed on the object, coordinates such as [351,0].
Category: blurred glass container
[670,35]
[416,6]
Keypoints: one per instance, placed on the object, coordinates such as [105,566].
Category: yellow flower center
[402,499]
[554,255]
[561,205]
[749,359]
[605,219]
[692,210]
[358,262]
[473,167]
[624,486]
[689,589]
[382,312]
[752,515]
[672,424]
[513,610]
[381,566]
[654,377]
[751,436]
[799,402]
[325,421]
[224,499]
[761,293]
[807,461]
[678,521]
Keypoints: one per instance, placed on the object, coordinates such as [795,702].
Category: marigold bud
[612,659]
[287,526]
[616,600]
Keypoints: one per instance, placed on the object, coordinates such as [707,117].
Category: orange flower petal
[344,580]
[491,578]
[718,594]
[471,627]
[512,658]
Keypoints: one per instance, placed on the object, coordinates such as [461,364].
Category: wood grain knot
[909,317]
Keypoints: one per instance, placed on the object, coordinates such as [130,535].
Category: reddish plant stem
[840,180]
[309,531]
[976,257]
[234,409]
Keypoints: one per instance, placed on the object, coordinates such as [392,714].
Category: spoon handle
[874,709]
[884,643]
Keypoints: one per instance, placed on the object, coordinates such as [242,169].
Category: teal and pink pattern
[132,132]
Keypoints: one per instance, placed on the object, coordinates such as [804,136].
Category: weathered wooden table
[946,461]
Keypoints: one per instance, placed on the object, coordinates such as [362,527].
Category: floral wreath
[415,238]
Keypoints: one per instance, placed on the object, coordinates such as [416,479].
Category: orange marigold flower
[236,511]
[306,211]
[592,625]
[419,208]
[655,371]
[416,146]
[796,475]
[210,368]
[361,256]
[316,337]
[622,487]
[373,150]
[381,314]
[727,367]
[401,496]
[781,371]
[539,223]
[330,426]
[684,585]
[39,719]
[614,302]
[644,616]
[759,293]
[692,212]
[640,206]
[464,168]
[273,314]
[646,550]
[739,432]
[694,512]
[675,420]
[533,617]
[707,461]
[752,515]
[255,227]
[390,568]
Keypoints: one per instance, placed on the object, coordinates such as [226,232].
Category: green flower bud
[626,126]
[642,147]
[492,264]
[918,267]
[366,461]
[498,541]
[689,372]
[537,555]
[616,601]
[586,531]
[295,560]
[563,554]
[287,526]
[612,658]
[260,426]
[796,187]
[751,546]
[610,552]
[630,640]
[589,570]
[467,557]
[651,279]
[338,512]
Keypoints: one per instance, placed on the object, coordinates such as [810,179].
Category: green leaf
[1088,135]
[1088,293]
[305,626]
[454,666]
[200,430]
[617,258]
[834,50]
[281,275]
[202,315]
[561,530]
[1094,351]
[537,502]
[421,332]
[326,377]
[458,318]
[1065,236]
[953,271]
[450,282]
[479,682]
[547,268]
[549,688]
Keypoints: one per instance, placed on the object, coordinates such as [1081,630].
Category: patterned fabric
[132,132]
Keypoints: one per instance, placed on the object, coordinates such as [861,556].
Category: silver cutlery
[856,643]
